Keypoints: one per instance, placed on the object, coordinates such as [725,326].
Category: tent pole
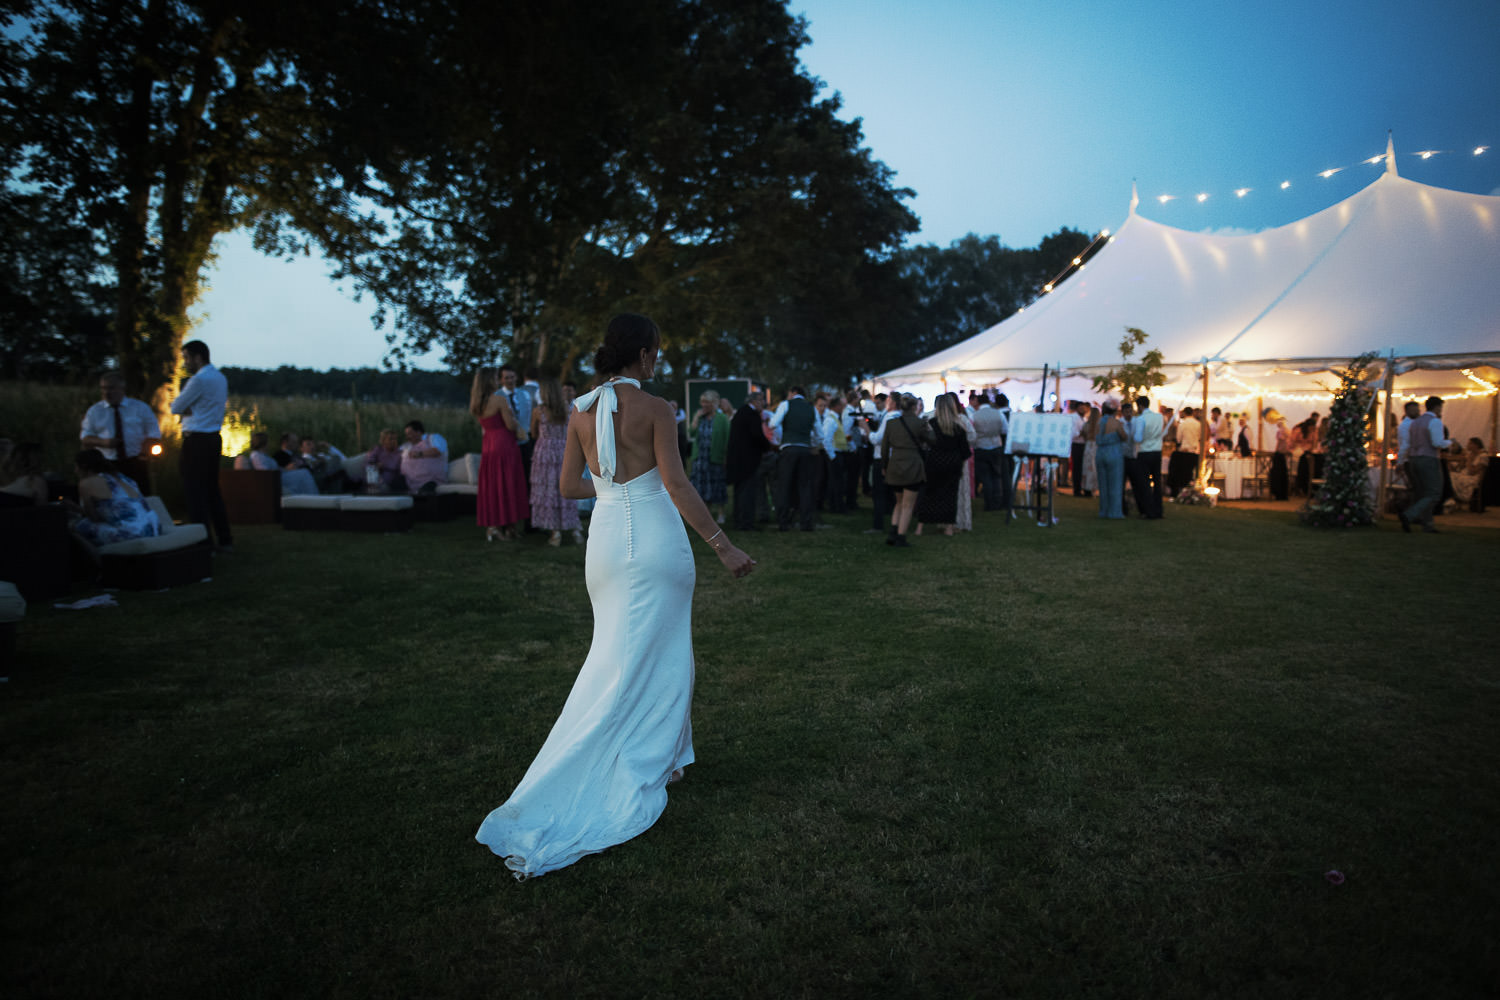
[1059,387]
[1385,465]
[1494,422]
[1203,431]
[1260,424]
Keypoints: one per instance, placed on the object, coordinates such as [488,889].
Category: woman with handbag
[905,472]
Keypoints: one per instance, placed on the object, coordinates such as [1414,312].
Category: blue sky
[1017,118]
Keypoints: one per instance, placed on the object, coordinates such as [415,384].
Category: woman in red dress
[502,502]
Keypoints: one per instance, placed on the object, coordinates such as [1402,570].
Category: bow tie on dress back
[604,424]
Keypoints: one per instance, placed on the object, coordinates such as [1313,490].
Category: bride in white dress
[626,730]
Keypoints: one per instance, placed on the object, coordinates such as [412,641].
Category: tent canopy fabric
[1400,268]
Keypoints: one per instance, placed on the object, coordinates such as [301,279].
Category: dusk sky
[1015,119]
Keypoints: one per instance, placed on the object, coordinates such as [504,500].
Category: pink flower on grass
[1334,877]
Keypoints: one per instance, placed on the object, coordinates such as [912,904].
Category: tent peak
[1135,198]
[1390,154]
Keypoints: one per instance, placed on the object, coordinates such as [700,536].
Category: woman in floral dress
[550,510]
[111,508]
[709,434]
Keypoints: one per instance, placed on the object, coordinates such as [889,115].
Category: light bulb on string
[1241,192]
[1202,197]
[1479,150]
[1325,174]
[1164,198]
[1285,185]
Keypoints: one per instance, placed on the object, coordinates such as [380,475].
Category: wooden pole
[1203,469]
[1385,465]
[1495,423]
[1260,424]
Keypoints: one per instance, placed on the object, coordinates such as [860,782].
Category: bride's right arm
[570,482]
[689,504]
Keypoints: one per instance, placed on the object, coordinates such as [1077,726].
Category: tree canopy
[499,179]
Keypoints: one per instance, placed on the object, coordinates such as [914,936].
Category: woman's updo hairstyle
[93,462]
[626,337]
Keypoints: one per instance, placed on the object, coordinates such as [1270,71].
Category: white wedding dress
[601,776]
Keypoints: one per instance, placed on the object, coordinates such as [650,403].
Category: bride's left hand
[736,561]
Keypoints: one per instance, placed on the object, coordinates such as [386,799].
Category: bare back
[638,421]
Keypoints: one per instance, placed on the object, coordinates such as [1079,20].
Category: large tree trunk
[137,153]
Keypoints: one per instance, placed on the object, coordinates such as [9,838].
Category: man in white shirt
[1425,444]
[124,430]
[1076,413]
[880,495]
[1146,432]
[1403,438]
[201,405]
[521,401]
[990,429]
[1183,468]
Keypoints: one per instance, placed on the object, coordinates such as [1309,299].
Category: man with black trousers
[747,445]
[797,469]
[1146,430]
[200,405]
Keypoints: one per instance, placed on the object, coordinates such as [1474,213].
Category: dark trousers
[837,494]
[1280,481]
[199,465]
[745,496]
[764,505]
[1138,488]
[528,447]
[1075,470]
[1148,491]
[880,496]
[1428,487]
[989,471]
[854,470]
[1182,469]
[797,486]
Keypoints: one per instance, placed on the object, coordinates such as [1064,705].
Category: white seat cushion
[465,470]
[464,488]
[12,604]
[175,537]
[310,502]
[374,503]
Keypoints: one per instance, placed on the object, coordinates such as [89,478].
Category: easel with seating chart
[1040,439]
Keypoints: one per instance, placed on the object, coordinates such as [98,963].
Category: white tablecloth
[1234,470]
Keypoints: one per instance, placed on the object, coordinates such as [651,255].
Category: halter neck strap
[604,424]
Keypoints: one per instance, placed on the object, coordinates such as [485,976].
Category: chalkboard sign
[1040,434]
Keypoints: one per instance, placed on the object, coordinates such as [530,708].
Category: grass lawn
[1110,759]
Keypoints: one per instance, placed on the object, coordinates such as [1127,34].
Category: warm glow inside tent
[1408,271]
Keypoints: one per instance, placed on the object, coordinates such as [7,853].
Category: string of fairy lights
[1080,262]
[1424,154]
[1253,391]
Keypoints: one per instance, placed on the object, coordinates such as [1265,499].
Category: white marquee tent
[1409,271]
